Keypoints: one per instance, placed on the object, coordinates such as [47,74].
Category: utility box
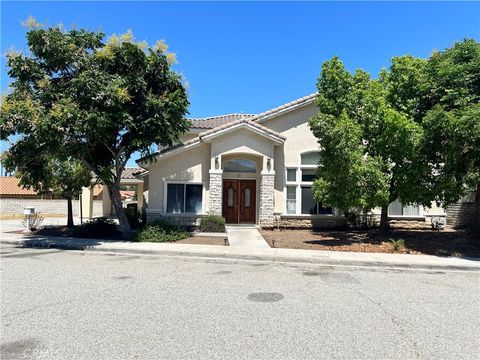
[28,210]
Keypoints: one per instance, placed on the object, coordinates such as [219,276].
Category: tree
[452,125]
[421,122]
[100,102]
[347,178]
[368,148]
[48,174]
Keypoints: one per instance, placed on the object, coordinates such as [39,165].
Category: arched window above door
[240,165]
[310,158]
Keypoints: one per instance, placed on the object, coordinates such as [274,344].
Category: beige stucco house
[249,168]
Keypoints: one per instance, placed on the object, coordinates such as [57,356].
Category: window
[230,194]
[193,198]
[247,198]
[184,198]
[310,205]
[308,175]
[291,199]
[396,208]
[310,158]
[240,165]
[299,196]
[291,175]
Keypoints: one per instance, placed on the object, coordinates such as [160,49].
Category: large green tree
[452,124]
[368,148]
[99,101]
[418,124]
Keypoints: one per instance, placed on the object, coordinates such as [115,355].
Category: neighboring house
[131,176]
[250,169]
[14,198]
[127,195]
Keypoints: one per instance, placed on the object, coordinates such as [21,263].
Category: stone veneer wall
[14,206]
[340,222]
[267,200]
[215,201]
[320,222]
[153,215]
[178,219]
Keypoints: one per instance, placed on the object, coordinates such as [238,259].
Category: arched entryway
[240,179]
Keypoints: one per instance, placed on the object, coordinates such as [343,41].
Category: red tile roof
[126,194]
[214,121]
[9,186]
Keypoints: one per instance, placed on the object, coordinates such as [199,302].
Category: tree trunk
[69,213]
[115,197]
[384,225]
[476,217]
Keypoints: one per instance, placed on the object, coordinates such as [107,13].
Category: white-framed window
[291,197]
[396,208]
[298,189]
[184,198]
[291,175]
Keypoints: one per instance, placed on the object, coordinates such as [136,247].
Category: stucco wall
[299,139]
[242,141]
[190,166]
[12,206]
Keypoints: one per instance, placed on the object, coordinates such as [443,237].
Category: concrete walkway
[314,257]
[246,236]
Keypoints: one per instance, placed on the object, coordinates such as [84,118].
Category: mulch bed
[443,243]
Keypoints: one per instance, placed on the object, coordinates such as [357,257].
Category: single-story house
[249,168]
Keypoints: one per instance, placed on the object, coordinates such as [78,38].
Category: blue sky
[252,56]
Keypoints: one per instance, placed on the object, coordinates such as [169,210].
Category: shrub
[161,231]
[99,227]
[212,223]
[33,221]
[398,245]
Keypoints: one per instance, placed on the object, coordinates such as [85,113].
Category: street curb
[285,259]
[274,257]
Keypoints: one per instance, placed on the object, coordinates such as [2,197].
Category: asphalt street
[82,305]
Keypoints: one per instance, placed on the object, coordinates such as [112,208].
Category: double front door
[239,201]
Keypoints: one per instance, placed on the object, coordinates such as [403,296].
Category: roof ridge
[285,106]
[220,116]
[237,122]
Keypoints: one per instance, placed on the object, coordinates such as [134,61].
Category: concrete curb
[313,257]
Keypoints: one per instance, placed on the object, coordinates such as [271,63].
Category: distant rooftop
[9,186]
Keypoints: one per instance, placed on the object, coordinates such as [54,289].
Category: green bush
[212,223]
[161,231]
[99,227]
[398,245]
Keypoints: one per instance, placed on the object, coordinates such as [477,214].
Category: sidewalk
[317,257]
[245,236]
